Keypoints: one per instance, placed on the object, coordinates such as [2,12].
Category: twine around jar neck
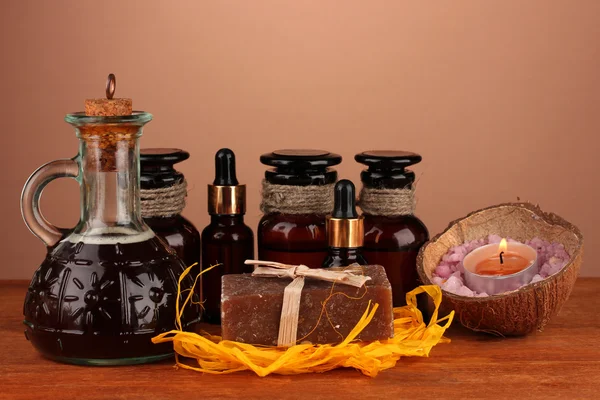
[387,202]
[290,199]
[163,202]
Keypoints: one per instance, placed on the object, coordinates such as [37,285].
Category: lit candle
[497,268]
[504,263]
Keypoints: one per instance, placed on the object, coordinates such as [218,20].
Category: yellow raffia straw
[216,356]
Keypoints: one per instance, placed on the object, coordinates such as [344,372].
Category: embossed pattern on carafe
[96,303]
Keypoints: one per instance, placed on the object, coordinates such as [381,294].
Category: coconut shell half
[518,312]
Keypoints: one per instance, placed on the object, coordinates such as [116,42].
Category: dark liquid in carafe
[101,301]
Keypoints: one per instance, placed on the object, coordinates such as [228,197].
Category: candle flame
[502,246]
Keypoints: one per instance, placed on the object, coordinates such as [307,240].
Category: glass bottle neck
[345,252]
[110,188]
[227,220]
[343,256]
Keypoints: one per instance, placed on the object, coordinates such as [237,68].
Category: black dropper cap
[225,168]
[344,200]
[386,168]
[225,195]
[345,228]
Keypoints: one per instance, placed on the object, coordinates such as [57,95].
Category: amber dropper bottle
[226,241]
[345,230]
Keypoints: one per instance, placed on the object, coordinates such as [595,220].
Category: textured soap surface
[251,308]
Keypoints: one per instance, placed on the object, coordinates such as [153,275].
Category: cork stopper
[108,107]
[112,133]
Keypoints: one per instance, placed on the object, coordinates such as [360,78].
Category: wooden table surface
[562,362]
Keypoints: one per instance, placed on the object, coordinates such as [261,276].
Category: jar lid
[386,168]
[301,158]
[163,156]
[156,167]
[388,158]
[301,167]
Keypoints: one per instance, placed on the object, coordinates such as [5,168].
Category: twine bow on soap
[288,323]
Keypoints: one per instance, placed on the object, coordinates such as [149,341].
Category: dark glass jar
[297,196]
[393,235]
[161,184]
[227,241]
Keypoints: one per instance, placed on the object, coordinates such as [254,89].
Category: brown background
[501,98]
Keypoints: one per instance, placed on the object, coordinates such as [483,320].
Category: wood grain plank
[561,362]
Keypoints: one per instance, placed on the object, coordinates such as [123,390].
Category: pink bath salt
[556,262]
[458,275]
[452,285]
[443,271]
[542,249]
[547,250]
[437,280]
[461,250]
[465,291]
[559,251]
[481,295]
[553,265]
[537,278]
[456,257]
[536,243]
[470,246]
[545,270]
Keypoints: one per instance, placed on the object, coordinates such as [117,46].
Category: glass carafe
[109,285]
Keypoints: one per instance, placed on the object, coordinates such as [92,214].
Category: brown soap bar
[251,308]
[108,107]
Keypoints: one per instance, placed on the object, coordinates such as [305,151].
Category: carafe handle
[32,191]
